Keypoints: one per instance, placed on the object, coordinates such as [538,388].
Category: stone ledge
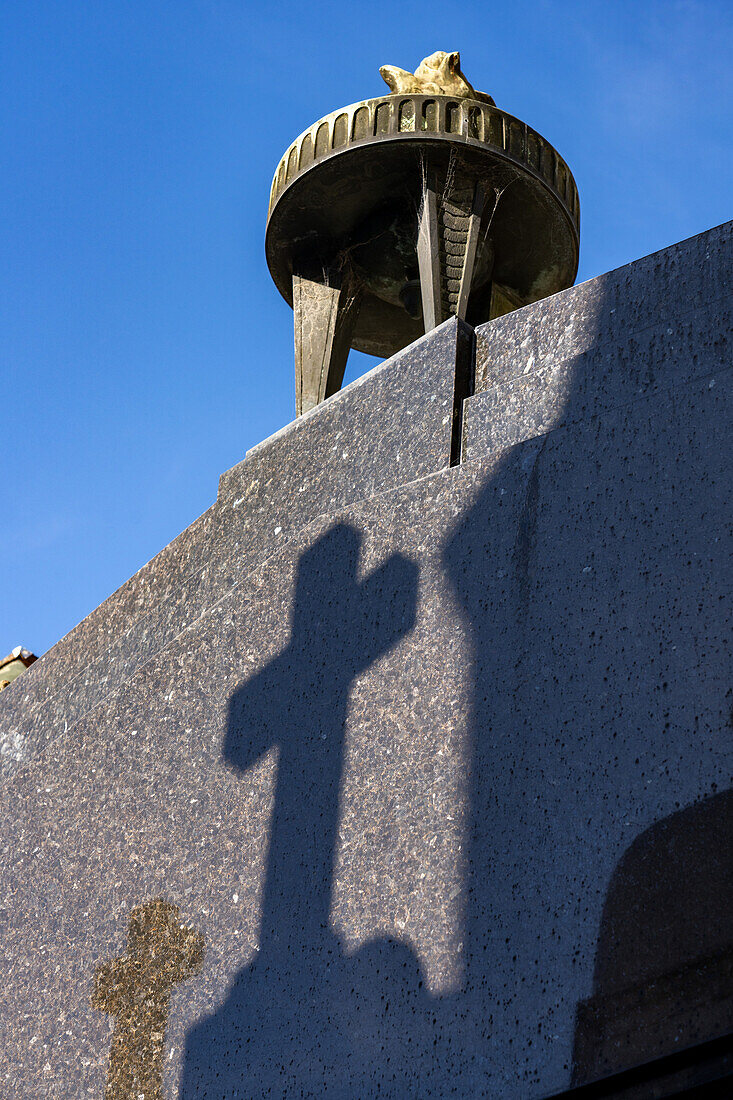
[667,284]
[665,357]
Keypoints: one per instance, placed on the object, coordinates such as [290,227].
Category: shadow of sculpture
[136,989]
[303,1018]
[664,965]
[561,687]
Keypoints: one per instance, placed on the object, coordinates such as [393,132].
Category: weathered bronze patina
[136,989]
[391,215]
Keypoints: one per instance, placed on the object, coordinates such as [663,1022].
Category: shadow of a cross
[136,988]
[290,1019]
[299,702]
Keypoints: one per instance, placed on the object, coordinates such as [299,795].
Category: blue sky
[144,346]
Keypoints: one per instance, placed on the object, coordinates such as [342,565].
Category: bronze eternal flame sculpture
[391,215]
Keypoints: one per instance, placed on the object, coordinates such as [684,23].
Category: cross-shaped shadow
[291,1022]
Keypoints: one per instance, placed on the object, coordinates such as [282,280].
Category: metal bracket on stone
[326,307]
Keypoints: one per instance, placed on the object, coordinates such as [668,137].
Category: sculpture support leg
[325,311]
[428,259]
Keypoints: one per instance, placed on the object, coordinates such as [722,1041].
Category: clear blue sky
[144,346]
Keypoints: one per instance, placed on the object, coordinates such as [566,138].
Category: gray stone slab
[559,787]
[442,776]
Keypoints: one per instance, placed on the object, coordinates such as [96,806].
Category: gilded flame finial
[439,74]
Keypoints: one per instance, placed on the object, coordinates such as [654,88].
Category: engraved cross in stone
[136,989]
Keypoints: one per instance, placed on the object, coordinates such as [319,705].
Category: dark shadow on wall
[664,966]
[581,572]
[575,571]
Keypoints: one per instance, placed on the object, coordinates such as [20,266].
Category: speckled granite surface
[436,759]
[646,328]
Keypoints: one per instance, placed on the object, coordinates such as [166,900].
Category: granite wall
[421,734]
